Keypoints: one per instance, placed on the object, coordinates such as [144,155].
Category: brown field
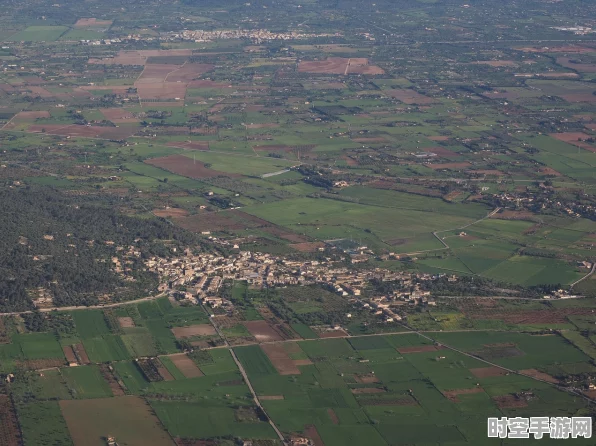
[262,331]
[69,354]
[189,72]
[9,426]
[163,372]
[128,418]
[281,232]
[496,63]
[107,374]
[442,152]
[558,316]
[410,97]
[188,145]
[193,330]
[581,67]
[575,138]
[4,336]
[340,65]
[81,353]
[273,148]
[368,390]
[452,394]
[184,166]
[31,115]
[118,115]
[311,432]
[558,49]
[170,212]
[540,375]
[417,349]
[509,402]
[267,125]
[403,401]
[206,83]
[155,73]
[300,362]
[92,23]
[366,379]
[378,140]
[440,166]
[271,397]
[161,90]
[126,322]
[280,359]
[86,131]
[186,365]
[37,364]
[485,372]
[308,246]
[40,91]
[138,57]
[333,334]
[550,171]
[333,416]
[209,221]
[579,97]
[438,138]
[513,215]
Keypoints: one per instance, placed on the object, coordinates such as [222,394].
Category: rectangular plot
[127,418]
[186,365]
[280,359]
[255,361]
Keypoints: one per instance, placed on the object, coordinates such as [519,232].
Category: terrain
[329,222]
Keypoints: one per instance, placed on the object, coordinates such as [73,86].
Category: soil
[9,426]
[452,394]
[417,349]
[186,365]
[186,145]
[280,359]
[69,354]
[79,350]
[126,322]
[111,380]
[509,402]
[308,246]
[333,334]
[485,372]
[193,330]
[367,390]
[339,65]
[333,416]
[311,432]
[171,212]
[540,375]
[262,331]
[118,115]
[462,165]
[183,165]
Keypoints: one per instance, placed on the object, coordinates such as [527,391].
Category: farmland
[333,223]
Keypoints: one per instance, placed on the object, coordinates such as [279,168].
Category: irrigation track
[245,377]
[424,334]
[585,277]
[117,304]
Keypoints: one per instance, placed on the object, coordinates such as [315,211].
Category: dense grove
[64,247]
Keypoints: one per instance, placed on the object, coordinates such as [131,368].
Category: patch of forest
[63,247]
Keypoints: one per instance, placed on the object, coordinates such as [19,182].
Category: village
[197,278]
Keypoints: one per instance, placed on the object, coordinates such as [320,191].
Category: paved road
[585,277]
[245,376]
[82,307]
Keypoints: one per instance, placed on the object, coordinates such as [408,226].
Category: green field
[39,34]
